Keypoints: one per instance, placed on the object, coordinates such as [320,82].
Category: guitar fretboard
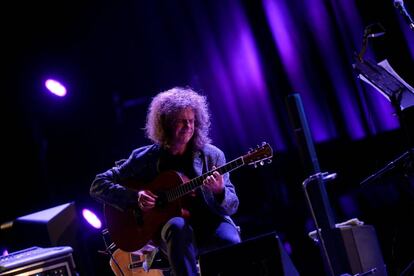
[191,185]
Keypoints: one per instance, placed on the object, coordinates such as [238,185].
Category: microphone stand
[408,155]
[394,90]
[399,5]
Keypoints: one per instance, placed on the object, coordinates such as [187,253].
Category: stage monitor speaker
[50,227]
[262,255]
[56,226]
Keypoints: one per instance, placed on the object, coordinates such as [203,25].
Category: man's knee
[228,234]
[231,238]
[176,226]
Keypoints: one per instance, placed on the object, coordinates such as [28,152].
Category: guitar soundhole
[138,217]
[162,200]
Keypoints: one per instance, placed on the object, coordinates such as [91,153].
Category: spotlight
[92,218]
[55,87]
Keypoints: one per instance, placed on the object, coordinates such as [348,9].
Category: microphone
[373,35]
[399,4]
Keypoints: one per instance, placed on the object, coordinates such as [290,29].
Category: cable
[109,252]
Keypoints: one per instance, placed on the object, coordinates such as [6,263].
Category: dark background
[113,56]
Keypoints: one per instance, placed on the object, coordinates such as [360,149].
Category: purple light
[244,58]
[55,87]
[91,218]
[291,50]
[282,29]
[319,19]
[287,247]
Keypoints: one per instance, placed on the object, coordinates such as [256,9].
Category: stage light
[55,87]
[92,218]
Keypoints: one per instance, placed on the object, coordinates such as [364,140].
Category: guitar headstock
[259,155]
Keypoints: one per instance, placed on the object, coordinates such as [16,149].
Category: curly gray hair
[165,106]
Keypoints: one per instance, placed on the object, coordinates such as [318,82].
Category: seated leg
[178,243]
[224,234]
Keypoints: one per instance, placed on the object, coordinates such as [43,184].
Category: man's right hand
[146,200]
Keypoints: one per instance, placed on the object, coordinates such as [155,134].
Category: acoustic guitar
[132,229]
[130,264]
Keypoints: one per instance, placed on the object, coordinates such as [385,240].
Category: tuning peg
[269,161]
[255,165]
[263,143]
[261,163]
[250,150]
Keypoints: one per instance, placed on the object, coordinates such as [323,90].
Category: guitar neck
[193,184]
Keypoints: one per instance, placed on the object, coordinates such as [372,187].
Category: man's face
[183,127]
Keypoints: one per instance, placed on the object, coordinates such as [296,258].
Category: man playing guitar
[177,123]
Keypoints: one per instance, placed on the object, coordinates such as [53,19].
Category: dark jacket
[143,166]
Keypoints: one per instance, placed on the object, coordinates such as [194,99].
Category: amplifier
[39,261]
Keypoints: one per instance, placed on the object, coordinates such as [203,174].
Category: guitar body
[131,232]
[130,265]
